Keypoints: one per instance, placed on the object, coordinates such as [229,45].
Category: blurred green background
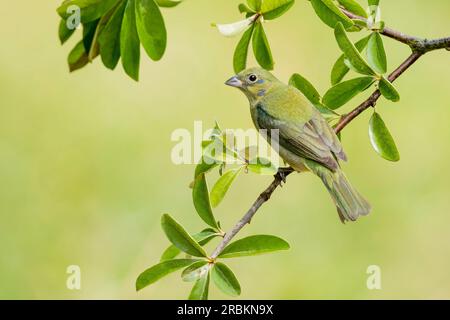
[85,164]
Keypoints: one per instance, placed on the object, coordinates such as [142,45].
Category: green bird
[305,139]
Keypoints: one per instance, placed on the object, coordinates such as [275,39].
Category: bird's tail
[349,203]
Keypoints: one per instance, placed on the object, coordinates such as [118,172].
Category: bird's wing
[309,137]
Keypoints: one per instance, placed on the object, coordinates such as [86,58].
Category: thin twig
[415,43]
[419,47]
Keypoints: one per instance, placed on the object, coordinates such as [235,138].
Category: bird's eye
[252,78]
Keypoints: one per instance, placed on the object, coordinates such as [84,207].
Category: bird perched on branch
[306,140]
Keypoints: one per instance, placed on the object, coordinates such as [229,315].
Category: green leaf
[168,3]
[373,2]
[180,238]
[343,92]
[388,90]
[330,14]
[222,186]
[195,271]
[305,87]
[275,8]
[241,52]
[204,167]
[354,7]
[129,42]
[153,274]
[151,29]
[93,48]
[89,33]
[340,69]
[225,279]
[243,8]
[254,245]
[327,113]
[109,38]
[351,53]
[78,57]
[381,139]
[262,166]
[90,10]
[200,196]
[64,32]
[261,48]
[170,253]
[203,237]
[376,56]
[255,5]
[200,289]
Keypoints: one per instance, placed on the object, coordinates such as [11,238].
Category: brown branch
[415,43]
[419,47]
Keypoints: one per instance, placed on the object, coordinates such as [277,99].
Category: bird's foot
[283,173]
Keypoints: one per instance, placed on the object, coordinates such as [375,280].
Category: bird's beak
[234,82]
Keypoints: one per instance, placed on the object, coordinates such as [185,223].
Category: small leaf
[200,196]
[64,32]
[255,5]
[241,52]
[351,53]
[93,48]
[78,57]
[222,186]
[89,30]
[254,245]
[376,55]
[195,271]
[305,87]
[203,237]
[261,48]
[327,113]
[168,3]
[90,10]
[109,39]
[275,8]
[330,14]
[354,7]
[343,92]
[180,238]
[225,279]
[200,289]
[221,150]
[373,2]
[153,274]
[204,167]
[243,8]
[340,69]
[151,28]
[388,90]
[232,29]
[170,253]
[381,139]
[129,42]
[262,166]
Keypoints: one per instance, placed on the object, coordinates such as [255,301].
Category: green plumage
[306,141]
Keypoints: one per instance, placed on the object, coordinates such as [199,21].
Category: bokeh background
[85,169]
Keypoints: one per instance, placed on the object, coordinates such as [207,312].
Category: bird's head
[254,82]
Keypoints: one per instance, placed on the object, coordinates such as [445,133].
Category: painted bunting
[306,140]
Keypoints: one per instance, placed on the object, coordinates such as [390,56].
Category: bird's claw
[282,176]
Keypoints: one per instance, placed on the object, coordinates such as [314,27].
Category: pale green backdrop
[85,166]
